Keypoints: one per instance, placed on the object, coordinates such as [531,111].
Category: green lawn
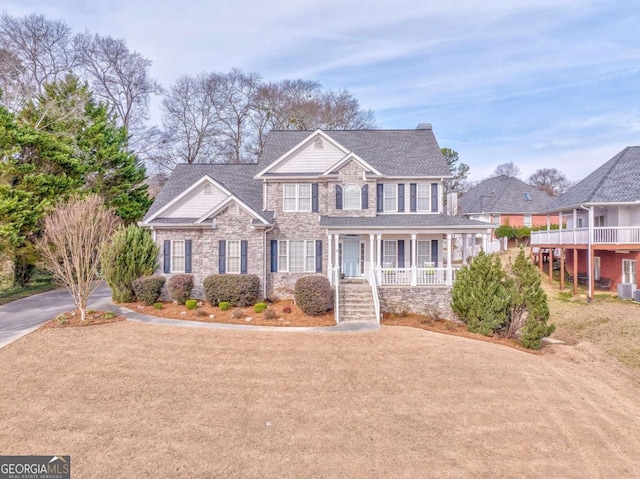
[41,282]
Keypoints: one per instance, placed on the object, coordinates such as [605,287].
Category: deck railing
[416,276]
[601,235]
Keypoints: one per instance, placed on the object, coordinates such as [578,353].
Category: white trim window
[629,271]
[390,256]
[527,221]
[423,253]
[296,197]
[390,195]
[352,197]
[177,256]
[233,257]
[422,197]
[297,256]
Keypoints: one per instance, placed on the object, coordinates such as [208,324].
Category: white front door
[351,257]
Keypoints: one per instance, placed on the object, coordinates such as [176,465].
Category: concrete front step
[356,303]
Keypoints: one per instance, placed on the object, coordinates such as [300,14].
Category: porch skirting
[432,300]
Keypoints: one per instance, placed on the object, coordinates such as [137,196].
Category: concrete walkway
[22,316]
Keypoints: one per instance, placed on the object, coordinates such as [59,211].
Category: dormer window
[208,189]
[318,144]
[352,197]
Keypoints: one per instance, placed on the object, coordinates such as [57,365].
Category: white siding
[634,216]
[309,159]
[195,204]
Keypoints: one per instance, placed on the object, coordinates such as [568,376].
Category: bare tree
[74,235]
[40,51]
[507,169]
[118,77]
[550,180]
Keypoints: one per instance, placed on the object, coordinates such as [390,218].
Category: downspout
[264,262]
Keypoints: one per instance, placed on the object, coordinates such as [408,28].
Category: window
[390,197]
[297,256]
[527,220]
[496,220]
[629,271]
[390,253]
[233,257]
[596,267]
[297,197]
[208,189]
[598,221]
[579,222]
[362,258]
[352,197]
[423,253]
[177,256]
[422,196]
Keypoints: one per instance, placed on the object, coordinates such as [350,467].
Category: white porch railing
[374,291]
[416,276]
[601,235]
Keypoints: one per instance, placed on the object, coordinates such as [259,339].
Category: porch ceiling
[412,221]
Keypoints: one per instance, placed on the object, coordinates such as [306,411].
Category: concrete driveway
[24,315]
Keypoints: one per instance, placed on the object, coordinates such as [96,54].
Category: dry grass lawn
[137,400]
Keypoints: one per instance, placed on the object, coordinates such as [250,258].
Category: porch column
[485,243]
[561,269]
[336,253]
[575,224]
[590,253]
[379,256]
[464,248]
[414,258]
[575,272]
[330,257]
[550,264]
[372,257]
[449,266]
[540,259]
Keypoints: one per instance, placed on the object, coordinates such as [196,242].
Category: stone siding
[420,300]
[351,173]
[204,254]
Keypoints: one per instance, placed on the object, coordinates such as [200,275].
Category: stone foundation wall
[420,300]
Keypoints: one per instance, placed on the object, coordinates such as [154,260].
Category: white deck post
[449,258]
[379,256]
[336,252]
[414,259]
[330,258]
[464,248]
[372,256]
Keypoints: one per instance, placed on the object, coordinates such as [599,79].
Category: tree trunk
[22,271]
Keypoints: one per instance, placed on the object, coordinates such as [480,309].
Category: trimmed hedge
[313,295]
[179,287]
[240,290]
[148,288]
[191,304]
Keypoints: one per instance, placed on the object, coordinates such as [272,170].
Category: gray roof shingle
[401,221]
[238,179]
[617,181]
[392,152]
[503,194]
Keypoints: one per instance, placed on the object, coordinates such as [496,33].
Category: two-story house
[362,207]
[601,241]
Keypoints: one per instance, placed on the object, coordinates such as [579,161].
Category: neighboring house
[601,241]
[365,205]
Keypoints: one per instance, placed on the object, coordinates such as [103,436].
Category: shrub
[270,314]
[148,288]
[224,305]
[129,255]
[109,315]
[259,307]
[286,310]
[239,290]
[157,305]
[191,304]
[179,287]
[237,314]
[62,319]
[313,294]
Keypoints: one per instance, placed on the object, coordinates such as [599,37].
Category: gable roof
[617,181]
[391,152]
[503,194]
[237,179]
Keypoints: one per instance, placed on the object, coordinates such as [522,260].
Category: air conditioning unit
[626,290]
[638,295]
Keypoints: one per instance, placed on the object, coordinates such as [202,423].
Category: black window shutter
[314,197]
[434,196]
[167,256]
[274,256]
[365,197]
[400,253]
[379,197]
[401,197]
[187,256]
[244,246]
[318,256]
[222,263]
[338,197]
[434,252]
[413,197]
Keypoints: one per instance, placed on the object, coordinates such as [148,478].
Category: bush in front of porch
[313,294]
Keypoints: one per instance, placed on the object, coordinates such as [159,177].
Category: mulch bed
[444,326]
[71,319]
[203,313]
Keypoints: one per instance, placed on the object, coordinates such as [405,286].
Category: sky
[542,83]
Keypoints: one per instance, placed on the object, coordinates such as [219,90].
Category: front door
[351,258]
